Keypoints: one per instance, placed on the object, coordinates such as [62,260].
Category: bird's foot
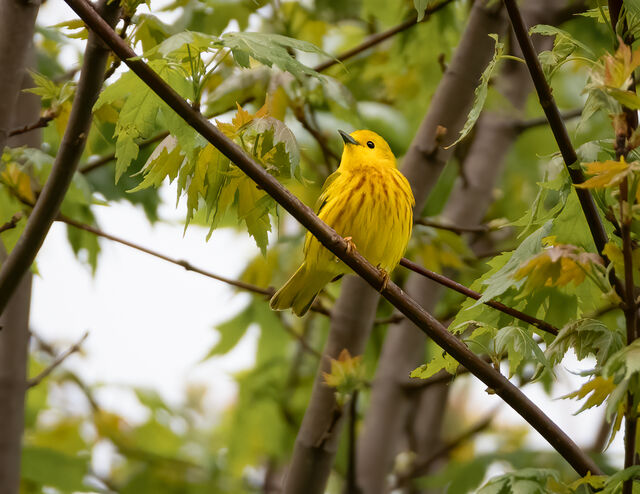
[351,246]
[385,280]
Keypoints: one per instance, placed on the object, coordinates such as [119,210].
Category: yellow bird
[369,203]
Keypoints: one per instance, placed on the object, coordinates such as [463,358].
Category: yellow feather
[366,199]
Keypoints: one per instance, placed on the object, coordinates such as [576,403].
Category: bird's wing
[320,203]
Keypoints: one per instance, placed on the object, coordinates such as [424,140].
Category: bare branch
[58,360]
[453,228]
[43,121]
[337,245]
[268,292]
[380,37]
[540,121]
[12,223]
[423,467]
[454,285]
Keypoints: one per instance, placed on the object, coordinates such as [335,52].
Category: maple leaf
[346,376]
[599,388]
[607,174]
[557,265]
[619,67]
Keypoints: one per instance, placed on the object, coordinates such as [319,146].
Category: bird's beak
[347,138]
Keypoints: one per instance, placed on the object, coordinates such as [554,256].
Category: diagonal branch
[66,161]
[268,292]
[454,285]
[337,245]
[58,360]
[365,45]
[557,125]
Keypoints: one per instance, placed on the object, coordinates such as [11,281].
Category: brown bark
[403,349]
[351,327]
[17,23]
[14,336]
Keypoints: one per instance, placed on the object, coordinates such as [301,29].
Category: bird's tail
[301,290]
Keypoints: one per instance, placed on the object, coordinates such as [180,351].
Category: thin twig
[58,360]
[540,121]
[422,468]
[380,37]
[12,223]
[352,486]
[454,285]
[581,462]
[268,292]
[43,121]
[453,228]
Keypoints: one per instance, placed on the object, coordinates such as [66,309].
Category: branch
[454,285]
[338,246]
[422,468]
[558,128]
[73,142]
[268,292]
[624,125]
[453,228]
[351,484]
[380,37]
[58,360]
[524,125]
[12,223]
[43,121]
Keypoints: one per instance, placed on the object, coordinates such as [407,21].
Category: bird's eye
[370,144]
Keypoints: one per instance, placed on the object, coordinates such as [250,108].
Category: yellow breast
[374,206]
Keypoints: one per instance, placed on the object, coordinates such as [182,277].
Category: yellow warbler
[368,202]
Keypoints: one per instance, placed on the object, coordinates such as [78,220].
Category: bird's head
[364,147]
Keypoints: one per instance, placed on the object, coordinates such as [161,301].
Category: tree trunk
[355,310]
[14,336]
[17,23]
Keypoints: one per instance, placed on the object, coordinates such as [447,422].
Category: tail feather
[300,291]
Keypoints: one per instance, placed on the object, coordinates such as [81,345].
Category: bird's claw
[385,280]
[351,246]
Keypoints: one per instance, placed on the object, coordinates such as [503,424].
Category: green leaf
[523,481]
[420,6]
[586,337]
[232,331]
[164,161]
[502,280]
[519,346]
[126,151]
[481,92]
[442,360]
[253,207]
[269,50]
[48,467]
